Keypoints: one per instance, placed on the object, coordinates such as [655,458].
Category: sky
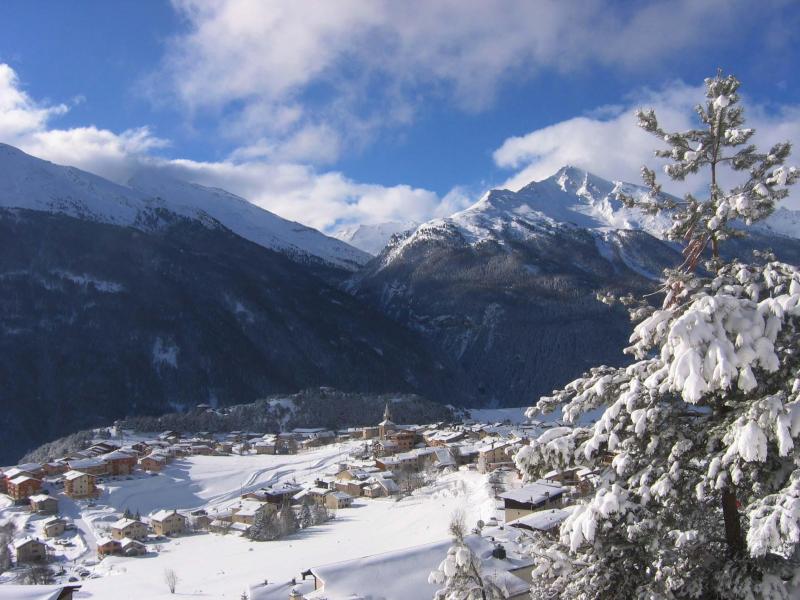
[366,111]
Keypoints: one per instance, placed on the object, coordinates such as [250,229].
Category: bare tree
[171,579]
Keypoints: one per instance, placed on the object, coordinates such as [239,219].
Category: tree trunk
[733,525]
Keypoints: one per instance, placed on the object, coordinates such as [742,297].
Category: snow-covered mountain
[571,197]
[32,183]
[373,238]
[246,219]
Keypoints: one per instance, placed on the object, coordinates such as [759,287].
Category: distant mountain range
[373,238]
[161,294]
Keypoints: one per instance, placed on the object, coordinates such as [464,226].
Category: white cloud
[608,142]
[267,175]
[269,68]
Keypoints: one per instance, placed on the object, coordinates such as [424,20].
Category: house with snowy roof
[248,511]
[545,521]
[78,484]
[54,526]
[37,592]
[128,528]
[336,500]
[522,501]
[43,504]
[120,462]
[29,550]
[168,522]
[22,487]
[92,466]
[404,574]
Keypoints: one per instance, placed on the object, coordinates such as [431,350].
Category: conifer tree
[697,444]
[461,574]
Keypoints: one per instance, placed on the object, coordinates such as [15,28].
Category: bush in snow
[699,493]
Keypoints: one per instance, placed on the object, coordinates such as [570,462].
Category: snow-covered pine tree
[697,445]
[460,573]
[721,143]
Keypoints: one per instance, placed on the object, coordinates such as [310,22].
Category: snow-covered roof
[70,475]
[20,542]
[19,479]
[162,514]
[41,498]
[250,508]
[86,463]
[123,523]
[534,493]
[403,574]
[32,592]
[541,520]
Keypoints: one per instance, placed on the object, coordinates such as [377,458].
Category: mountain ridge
[36,184]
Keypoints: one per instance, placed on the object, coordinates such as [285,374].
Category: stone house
[493,455]
[153,462]
[166,522]
[337,500]
[129,547]
[29,550]
[120,462]
[54,526]
[43,504]
[128,528]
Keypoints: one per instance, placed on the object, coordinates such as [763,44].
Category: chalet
[494,455]
[380,487]
[337,500]
[225,447]
[120,462]
[91,466]
[385,447]
[29,550]
[404,439]
[22,487]
[108,547]
[129,547]
[153,462]
[286,443]
[281,493]
[141,448]
[3,483]
[249,510]
[535,496]
[79,485]
[444,438]
[54,526]
[199,520]
[128,528]
[545,521]
[168,522]
[264,447]
[33,469]
[353,488]
[368,433]
[43,504]
[56,467]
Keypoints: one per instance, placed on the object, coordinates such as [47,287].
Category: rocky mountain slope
[507,287]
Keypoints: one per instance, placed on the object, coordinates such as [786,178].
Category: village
[76,518]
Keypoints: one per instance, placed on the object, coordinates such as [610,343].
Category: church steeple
[387,414]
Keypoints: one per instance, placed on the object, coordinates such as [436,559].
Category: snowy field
[217,566]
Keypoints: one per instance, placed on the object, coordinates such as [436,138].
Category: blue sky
[358,111]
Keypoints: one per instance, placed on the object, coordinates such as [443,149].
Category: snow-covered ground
[217,566]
